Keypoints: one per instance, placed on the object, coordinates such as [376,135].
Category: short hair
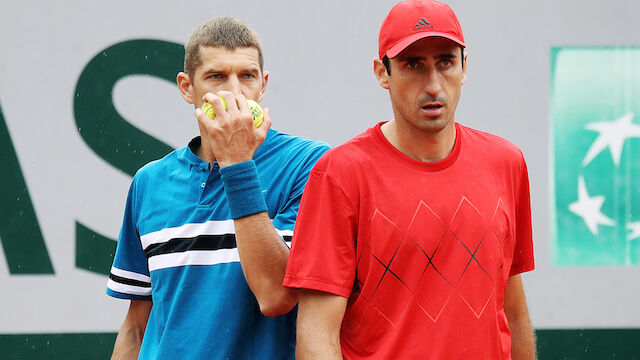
[227,32]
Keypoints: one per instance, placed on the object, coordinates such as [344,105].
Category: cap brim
[404,43]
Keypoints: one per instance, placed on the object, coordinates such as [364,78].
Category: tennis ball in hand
[256,111]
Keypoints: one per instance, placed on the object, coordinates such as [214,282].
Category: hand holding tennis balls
[231,138]
[256,111]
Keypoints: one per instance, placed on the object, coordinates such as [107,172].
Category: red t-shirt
[422,250]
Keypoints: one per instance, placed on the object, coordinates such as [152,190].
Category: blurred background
[88,94]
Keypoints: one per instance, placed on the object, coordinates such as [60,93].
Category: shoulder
[159,167]
[491,145]
[276,139]
[354,152]
[288,148]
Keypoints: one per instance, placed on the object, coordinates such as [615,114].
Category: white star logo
[588,208]
[613,135]
[635,230]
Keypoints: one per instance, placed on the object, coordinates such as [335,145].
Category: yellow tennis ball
[207,108]
[256,111]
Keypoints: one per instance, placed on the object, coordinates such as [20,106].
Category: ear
[381,73]
[464,69]
[184,85]
[265,80]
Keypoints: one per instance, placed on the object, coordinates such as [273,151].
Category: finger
[203,119]
[217,104]
[209,97]
[243,107]
[230,99]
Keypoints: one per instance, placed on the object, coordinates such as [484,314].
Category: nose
[432,82]
[233,85]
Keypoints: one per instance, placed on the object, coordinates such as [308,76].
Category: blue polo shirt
[177,248]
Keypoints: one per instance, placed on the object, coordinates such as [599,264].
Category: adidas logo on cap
[422,24]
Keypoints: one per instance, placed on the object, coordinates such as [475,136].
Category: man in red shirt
[411,237]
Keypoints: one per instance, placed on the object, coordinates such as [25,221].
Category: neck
[428,146]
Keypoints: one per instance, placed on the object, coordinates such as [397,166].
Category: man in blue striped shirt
[203,246]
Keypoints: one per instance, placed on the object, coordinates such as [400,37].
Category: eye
[412,64]
[215,76]
[446,63]
[248,76]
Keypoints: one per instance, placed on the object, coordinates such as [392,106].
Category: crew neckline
[417,164]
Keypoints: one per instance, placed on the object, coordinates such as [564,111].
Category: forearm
[131,332]
[522,339]
[311,346]
[318,327]
[127,344]
[263,254]
[233,140]
[515,308]
[263,257]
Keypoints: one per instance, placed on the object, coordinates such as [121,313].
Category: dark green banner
[593,344]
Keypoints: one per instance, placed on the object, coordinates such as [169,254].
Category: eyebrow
[211,70]
[445,55]
[214,70]
[412,58]
[252,68]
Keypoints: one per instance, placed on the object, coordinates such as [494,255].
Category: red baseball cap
[412,20]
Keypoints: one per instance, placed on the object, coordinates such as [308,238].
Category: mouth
[432,107]
[432,110]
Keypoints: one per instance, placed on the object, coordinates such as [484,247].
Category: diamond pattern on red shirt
[426,229]
[383,228]
[432,261]
[476,288]
[433,293]
[407,266]
[451,259]
[468,225]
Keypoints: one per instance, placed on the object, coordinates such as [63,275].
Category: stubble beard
[431,125]
[417,123]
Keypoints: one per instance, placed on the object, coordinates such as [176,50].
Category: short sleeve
[323,250]
[523,260]
[129,277]
[285,219]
